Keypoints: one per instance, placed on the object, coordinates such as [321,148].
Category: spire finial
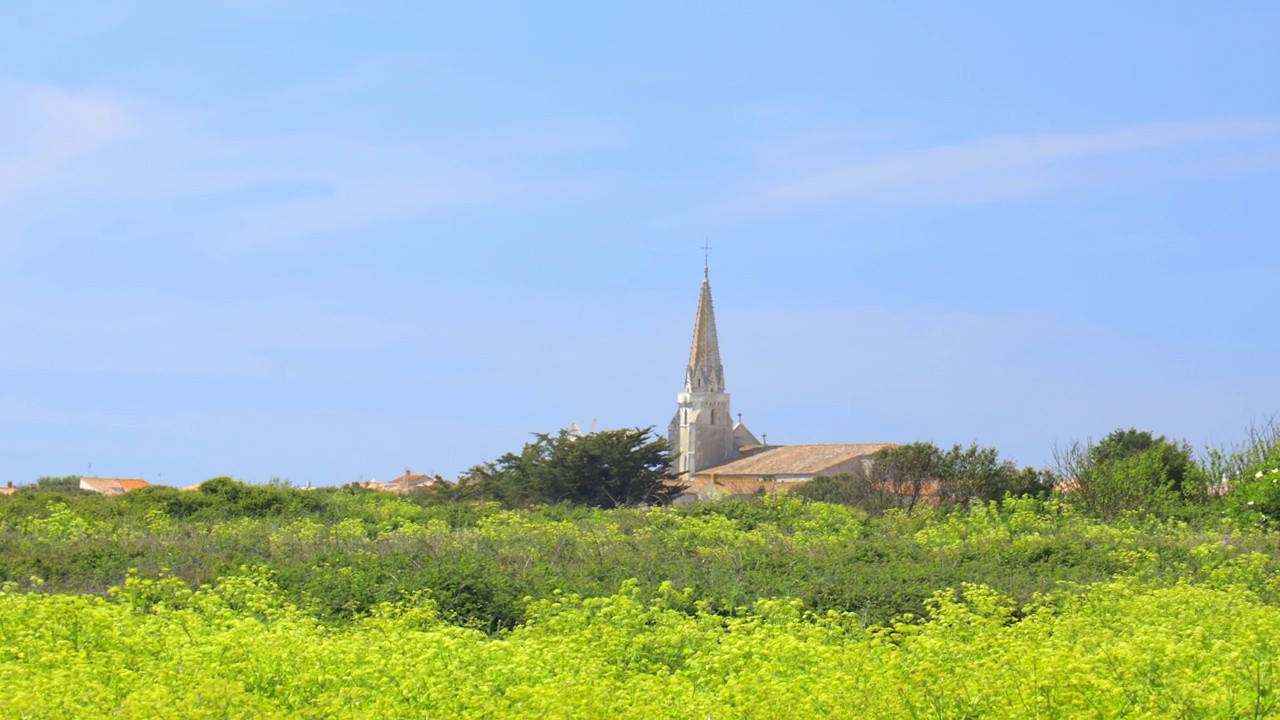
[706,257]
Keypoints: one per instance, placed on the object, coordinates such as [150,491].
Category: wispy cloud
[351,184]
[285,175]
[44,128]
[993,168]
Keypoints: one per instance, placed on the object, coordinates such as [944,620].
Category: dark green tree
[977,473]
[1174,459]
[854,489]
[1129,470]
[602,469]
[903,475]
[907,472]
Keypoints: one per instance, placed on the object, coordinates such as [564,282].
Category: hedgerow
[480,566]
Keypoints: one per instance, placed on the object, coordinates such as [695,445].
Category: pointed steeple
[705,374]
[702,431]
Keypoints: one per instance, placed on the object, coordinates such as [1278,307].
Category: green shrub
[1131,471]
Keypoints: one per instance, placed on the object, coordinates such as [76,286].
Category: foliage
[1131,470]
[904,475]
[271,601]
[855,489]
[1174,459]
[977,473]
[1247,475]
[612,468]
[236,649]
[1238,462]
[337,555]
[1255,498]
[68,484]
[905,472]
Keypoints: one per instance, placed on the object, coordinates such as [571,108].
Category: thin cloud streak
[994,168]
[43,128]
[59,147]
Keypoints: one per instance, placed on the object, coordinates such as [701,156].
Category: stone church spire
[705,373]
[702,430]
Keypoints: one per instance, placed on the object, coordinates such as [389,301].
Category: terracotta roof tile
[112,486]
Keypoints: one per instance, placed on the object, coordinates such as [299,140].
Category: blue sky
[325,241]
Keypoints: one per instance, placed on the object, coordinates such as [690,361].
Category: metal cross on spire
[706,256]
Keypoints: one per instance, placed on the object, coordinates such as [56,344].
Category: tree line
[1129,470]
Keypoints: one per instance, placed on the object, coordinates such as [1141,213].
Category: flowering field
[1122,648]
[773,608]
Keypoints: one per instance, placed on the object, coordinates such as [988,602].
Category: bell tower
[702,429]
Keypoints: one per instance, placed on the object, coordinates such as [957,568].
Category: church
[721,458]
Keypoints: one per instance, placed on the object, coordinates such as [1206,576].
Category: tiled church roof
[795,459]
